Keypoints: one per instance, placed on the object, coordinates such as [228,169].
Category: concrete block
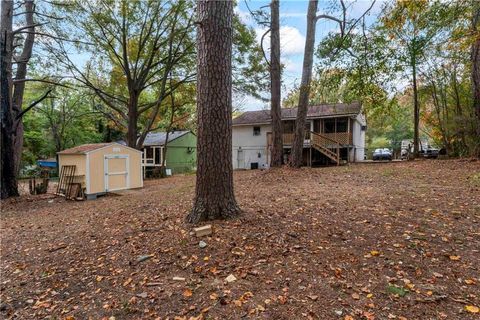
[203,230]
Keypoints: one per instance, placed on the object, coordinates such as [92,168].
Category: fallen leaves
[313,297]
[396,290]
[187,293]
[127,282]
[472,309]
[231,278]
[374,253]
[311,238]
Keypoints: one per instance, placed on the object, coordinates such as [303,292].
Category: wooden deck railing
[326,145]
[343,138]
[287,139]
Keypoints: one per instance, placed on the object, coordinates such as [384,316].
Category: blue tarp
[47,163]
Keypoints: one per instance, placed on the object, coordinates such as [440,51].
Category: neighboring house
[335,133]
[181,154]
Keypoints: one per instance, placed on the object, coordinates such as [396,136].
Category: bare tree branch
[33,104]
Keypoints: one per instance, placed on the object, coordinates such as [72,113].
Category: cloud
[293,15]
[292,66]
[245,16]
[292,41]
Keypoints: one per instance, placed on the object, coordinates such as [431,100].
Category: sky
[293,16]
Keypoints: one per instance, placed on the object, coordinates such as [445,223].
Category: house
[181,153]
[335,133]
[99,168]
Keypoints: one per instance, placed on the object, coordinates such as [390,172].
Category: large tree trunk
[416,109]
[476,67]
[19,89]
[132,129]
[9,187]
[297,147]
[214,197]
[275,87]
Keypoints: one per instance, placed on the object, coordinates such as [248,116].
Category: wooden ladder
[325,145]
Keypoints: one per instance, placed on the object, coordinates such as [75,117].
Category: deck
[328,144]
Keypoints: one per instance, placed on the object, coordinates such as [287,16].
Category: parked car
[382,154]
[431,153]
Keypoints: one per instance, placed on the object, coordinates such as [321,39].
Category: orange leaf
[187,293]
[472,309]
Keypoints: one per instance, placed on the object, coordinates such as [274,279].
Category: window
[149,153]
[342,125]
[329,126]
[158,155]
[256,131]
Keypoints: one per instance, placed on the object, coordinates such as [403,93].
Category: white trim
[107,174]
[111,144]
[107,146]
[340,115]
[121,173]
[87,174]
[142,170]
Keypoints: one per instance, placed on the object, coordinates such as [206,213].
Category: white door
[240,159]
[116,172]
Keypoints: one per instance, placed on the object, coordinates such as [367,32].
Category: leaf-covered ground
[378,241]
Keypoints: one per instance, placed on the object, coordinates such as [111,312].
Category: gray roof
[158,138]
[316,111]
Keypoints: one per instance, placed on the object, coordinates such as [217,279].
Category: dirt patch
[367,242]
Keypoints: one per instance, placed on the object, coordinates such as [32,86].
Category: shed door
[116,172]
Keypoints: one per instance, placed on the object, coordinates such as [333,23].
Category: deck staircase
[327,146]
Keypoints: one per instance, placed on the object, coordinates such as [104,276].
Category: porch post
[348,131]
[336,128]
[310,154]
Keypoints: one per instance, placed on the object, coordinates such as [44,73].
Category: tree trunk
[214,196]
[297,147]
[416,108]
[9,187]
[19,88]
[132,129]
[441,123]
[169,127]
[275,87]
[459,112]
[476,68]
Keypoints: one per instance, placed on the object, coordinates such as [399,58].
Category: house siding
[358,153]
[178,159]
[247,148]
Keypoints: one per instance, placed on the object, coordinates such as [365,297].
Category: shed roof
[87,148]
[316,111]
[158,138]
[84,148]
